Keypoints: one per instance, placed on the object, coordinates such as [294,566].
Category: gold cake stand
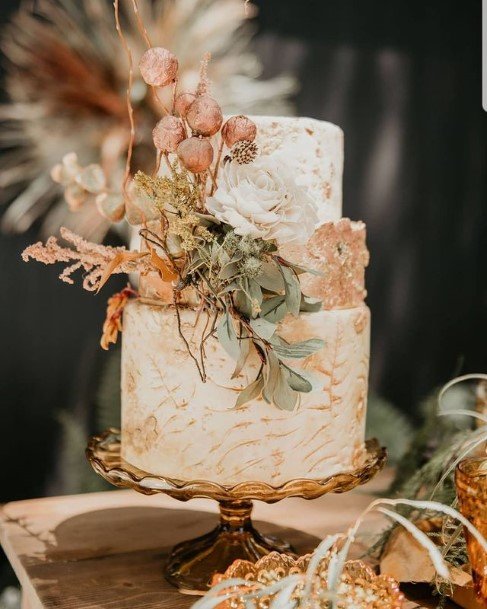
[193,563]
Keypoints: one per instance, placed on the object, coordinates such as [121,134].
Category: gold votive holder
[471,486]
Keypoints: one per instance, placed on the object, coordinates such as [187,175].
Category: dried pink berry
[238,129]
[158,66]
[196,154]
[183,102]
[205,116]
[168,133]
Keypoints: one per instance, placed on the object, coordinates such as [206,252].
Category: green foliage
[389,425]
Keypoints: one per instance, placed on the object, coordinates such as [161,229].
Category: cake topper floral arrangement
[212,217]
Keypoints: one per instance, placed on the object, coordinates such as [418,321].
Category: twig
[201,369]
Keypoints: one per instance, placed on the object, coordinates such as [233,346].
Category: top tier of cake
[315,149]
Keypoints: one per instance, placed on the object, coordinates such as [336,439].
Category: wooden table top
[106,550]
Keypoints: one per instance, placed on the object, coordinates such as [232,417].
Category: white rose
[262,199]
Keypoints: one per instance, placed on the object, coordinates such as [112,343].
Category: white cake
[175,425]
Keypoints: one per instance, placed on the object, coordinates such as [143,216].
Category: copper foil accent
[338,251]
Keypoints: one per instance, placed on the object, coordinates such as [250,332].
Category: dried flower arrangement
[67,93]
[211,220]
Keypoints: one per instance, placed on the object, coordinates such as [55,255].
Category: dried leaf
[166,273]
[228,337]
[117,260]
[297,381]
[298,350]
[113,321]
[284,397]
[251,392]
[309,304]
[274,309]
[245,344]
[271,278]
[292,290]
[263,328]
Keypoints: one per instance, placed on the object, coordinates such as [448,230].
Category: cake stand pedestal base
[193,563]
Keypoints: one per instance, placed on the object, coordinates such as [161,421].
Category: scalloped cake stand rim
[104,454]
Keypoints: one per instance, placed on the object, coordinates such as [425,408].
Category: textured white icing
[315,149]
[175,425]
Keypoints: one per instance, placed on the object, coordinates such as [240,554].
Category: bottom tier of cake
[176,426]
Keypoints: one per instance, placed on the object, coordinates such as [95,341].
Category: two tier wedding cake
[174,424]
[245,349]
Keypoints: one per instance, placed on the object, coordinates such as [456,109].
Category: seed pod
[168,133]
[91,178]
[205,116]
[196,154]
[183,102]
[139,207]
[75,196]
[110,206]
[158,66]
[238,129]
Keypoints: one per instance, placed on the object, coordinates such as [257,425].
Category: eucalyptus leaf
[271,278]
[251,392]
[243,302]
[296,381]
[228,337]
[256,295]
[230,287]
[310,305]
[292,290]
[299,270]
[284,396]
[228,271]
[272,371]
[263,328]
[274,309]
[298,350]
[245,344]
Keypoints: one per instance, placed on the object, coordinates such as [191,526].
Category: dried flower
[196,154]
[111,206]
[168,133]
[183,102]
[237,129]
[262,199]
[79,182]
[113,320]
[205,116]
[95,259]
[158,66]
[83,82]
[251,267]
[244,152]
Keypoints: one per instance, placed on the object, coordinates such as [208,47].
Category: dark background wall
[403,79]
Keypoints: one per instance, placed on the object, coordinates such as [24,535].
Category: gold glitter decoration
[339,252]
[359,587]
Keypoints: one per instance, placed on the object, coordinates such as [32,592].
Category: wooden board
[107,550]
